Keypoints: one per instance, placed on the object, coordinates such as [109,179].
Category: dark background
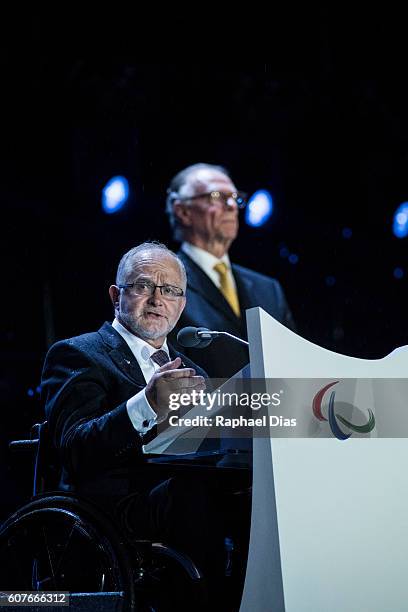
[330,143]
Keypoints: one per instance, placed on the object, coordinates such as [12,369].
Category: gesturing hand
[167,380]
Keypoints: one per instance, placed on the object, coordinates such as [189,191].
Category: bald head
[139,253]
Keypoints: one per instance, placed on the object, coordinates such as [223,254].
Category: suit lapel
[173,354]
[123,357]
[199,282]
[121,354]
[244,288]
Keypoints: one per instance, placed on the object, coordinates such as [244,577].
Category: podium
[329,526]
[329,523]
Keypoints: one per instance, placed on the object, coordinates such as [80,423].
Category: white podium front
[329,527]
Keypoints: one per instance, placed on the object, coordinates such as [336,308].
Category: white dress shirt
[206,261]
[141,414]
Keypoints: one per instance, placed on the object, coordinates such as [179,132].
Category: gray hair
[178,189]
[126,263]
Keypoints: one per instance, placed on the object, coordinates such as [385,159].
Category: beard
[135,325]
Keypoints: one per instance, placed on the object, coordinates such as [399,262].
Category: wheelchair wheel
[168,580]
[57,543]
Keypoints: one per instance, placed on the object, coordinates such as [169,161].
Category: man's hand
[167,380]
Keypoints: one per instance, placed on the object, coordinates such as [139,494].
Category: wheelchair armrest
[23,445]
[32,443]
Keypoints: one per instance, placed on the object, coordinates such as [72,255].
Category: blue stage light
[398,273]
[347,232]
[330,280]
[293,258]
[400,225]
[259,208]
[114,194]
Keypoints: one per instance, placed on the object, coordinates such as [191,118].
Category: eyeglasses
[216,196]
[147,287]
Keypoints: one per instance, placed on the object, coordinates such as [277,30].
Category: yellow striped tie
[227,288]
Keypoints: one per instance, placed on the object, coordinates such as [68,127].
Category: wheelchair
[60,542]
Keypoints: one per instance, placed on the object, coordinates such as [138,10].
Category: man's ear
[182,212]
[114,292]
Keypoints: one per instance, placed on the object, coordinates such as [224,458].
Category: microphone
[200,337]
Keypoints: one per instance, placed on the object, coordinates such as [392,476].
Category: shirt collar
[141,349]
[202,258]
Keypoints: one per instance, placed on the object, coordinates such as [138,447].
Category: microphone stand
[207,335]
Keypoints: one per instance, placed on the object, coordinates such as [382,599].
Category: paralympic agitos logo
[335,417]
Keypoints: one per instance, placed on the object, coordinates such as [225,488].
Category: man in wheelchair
[106,392]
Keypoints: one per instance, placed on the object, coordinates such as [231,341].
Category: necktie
[160,357]
[227,288]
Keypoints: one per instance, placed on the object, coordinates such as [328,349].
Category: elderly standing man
[105,392]
[202,206]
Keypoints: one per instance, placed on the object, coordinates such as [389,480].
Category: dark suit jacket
[207,307]
[86,383]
